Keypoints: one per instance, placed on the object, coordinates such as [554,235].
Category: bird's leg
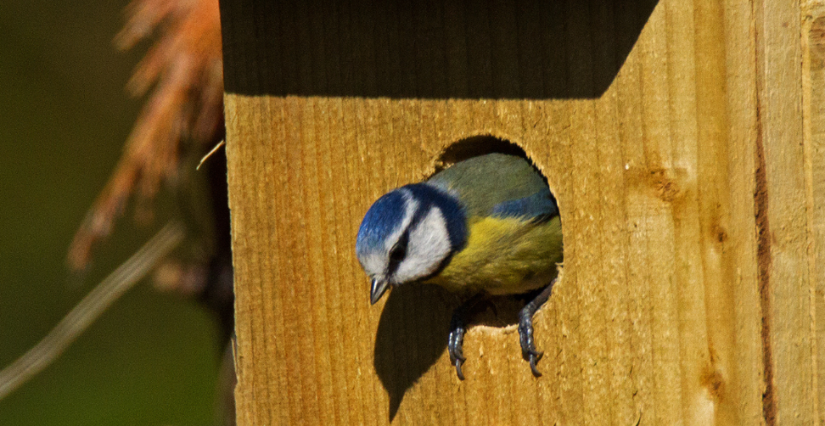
[525,328]
[458,326]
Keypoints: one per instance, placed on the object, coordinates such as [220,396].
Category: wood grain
[813,89]
[789,300]
[682,139]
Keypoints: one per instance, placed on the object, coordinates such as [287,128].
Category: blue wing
[538,207]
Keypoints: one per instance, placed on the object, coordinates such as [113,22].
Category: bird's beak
[379,287]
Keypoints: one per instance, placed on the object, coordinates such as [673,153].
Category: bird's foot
[455,344]
[525,328]
[458,326]
[528,346]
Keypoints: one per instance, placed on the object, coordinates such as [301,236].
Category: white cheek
[429,245]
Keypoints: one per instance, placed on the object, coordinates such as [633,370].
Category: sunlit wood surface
[682,139]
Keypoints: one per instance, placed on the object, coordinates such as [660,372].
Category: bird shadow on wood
[414,327]
[412,335]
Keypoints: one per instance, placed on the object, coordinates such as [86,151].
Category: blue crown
[381,219]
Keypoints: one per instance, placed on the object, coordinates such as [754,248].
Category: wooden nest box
[683,140]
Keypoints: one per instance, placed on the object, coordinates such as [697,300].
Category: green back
[488,180]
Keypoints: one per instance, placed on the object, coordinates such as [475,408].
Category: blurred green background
[152,359]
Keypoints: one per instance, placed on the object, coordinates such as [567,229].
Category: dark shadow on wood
[413,330]
[412,335]
[496,49]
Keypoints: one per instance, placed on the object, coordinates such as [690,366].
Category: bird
[485,226]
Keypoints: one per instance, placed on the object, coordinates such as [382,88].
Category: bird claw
[534,357]
[458,326]
[458,371]
[525,329]
[528,346]
[455,345]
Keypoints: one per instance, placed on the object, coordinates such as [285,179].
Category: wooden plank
[693,55]
[663,130]
[813,89]
[743,366]
[637,296]
[713,396]
[787,302]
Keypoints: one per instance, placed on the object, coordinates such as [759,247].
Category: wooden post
[683,140]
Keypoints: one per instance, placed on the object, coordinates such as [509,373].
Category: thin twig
[89,309]
[209,154]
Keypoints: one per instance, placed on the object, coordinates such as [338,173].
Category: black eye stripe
[398,252]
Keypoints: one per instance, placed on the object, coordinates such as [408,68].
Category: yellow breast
[504,256]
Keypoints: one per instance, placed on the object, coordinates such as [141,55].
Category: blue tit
[484,226]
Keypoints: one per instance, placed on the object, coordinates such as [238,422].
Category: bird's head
[407,235]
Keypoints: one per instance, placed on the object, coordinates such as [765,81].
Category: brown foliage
[184,111]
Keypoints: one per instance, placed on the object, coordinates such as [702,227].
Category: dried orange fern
[184,112]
